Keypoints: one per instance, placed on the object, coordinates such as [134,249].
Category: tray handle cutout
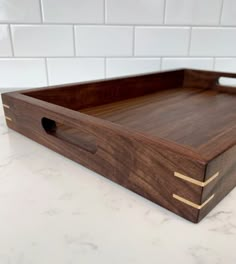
[70,135]
[227,81]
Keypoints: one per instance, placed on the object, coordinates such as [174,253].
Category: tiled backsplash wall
[60,41]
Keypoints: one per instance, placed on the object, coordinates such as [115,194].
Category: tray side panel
[79,96]
[225,96]
[136,163]
[225,165]
[207,80]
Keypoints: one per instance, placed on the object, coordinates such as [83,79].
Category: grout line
[105,67]
[41,10]
[164,12]
[214,63]
[74,41]
[221,12]
[116,57]
[11,41]
[133,44]
[105,11]
[118,24]
[46,68]
[161,62]
[190,41]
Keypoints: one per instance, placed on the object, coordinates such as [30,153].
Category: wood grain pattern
[140,131]
[81,95]
[185,116]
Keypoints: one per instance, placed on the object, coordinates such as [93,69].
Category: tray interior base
[187,116]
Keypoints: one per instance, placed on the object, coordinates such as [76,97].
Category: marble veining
[53,210]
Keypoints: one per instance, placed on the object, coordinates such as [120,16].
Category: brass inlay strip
[8,118]
[183,200]
[6,106]
[199,183]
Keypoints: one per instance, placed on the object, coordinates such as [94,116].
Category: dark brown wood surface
[163,135]
[186,116]
[81,95]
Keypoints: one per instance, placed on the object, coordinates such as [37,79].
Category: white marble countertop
[53,210]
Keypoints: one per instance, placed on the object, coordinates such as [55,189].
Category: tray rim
[198,154]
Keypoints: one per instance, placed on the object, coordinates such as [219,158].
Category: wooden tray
[170,137]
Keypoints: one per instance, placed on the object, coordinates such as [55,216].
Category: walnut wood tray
[170,136]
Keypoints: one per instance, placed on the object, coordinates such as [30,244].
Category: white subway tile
[193,12]
[193,63]
[103,40]
[22,73]
[129,66]
[20,11]
[135,12]
[213,42]
[5,43]
[73,11]
[42,40]
[225,64]
[229,13]
[68,70]
[161,41]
